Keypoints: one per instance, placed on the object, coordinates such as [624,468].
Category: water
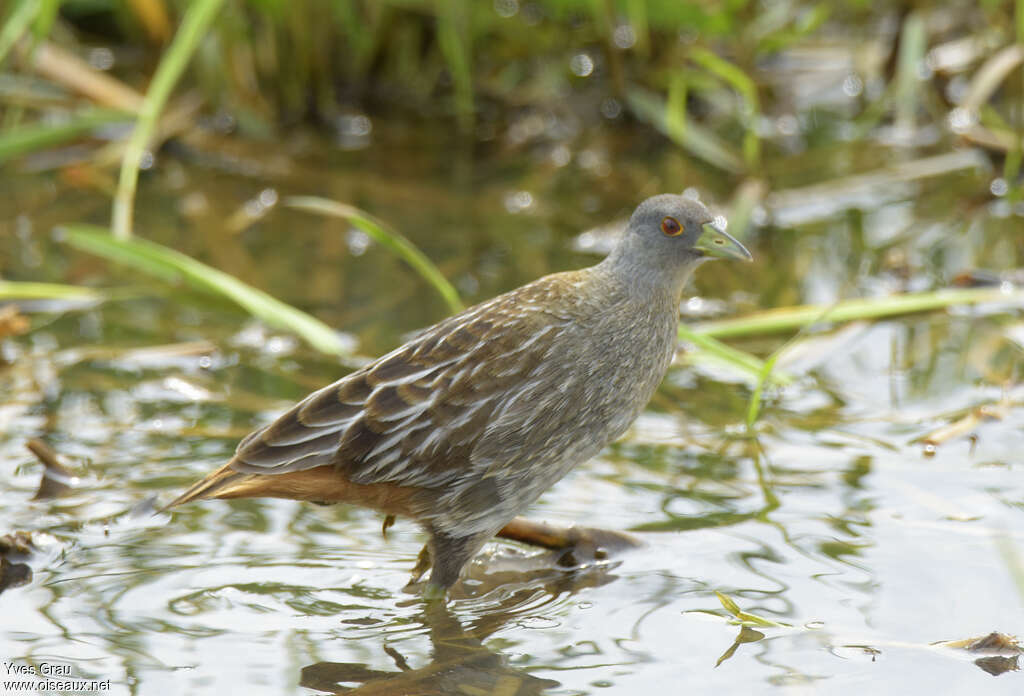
[833,521]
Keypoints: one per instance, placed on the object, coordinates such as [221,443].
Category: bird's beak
[716,242]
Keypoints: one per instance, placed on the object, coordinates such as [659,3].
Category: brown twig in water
[56,478]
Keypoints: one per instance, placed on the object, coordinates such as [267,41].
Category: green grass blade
[169,264]
[740,361]
[913,45]
[675,108]
[45,18]
[791,318]
[453,35]
[735,77]
[387,237]
[18,290]
[754,405]
[699,141]
[20,141]
[196,21]
[16,25]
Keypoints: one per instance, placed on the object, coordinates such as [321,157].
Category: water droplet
[518,201]
[961,119]
[506,8]
[358,242]
[354,131]
[581,65]
[999,187]
[561,155]
[280,345]
[253,208]
[853,86]
[623,36]
[586,241]
[101,58]
[267,197]
[787,124]
[611,108]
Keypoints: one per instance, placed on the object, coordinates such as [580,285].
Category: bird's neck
[661,284]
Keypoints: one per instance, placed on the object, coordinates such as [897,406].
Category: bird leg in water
[575,541]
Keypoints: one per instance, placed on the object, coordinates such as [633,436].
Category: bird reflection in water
[504,590]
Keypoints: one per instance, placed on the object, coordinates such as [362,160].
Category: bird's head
[668,237]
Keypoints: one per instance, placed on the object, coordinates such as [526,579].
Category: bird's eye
[671,227]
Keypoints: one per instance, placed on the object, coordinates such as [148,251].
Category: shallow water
[833,520]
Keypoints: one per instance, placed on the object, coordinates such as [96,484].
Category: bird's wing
[414,416]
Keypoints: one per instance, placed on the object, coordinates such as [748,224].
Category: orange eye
[670,226]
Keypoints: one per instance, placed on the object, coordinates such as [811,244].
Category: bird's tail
[209,487]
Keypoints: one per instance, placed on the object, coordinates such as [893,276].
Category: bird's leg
[448,554]
[595,542]
[445,555]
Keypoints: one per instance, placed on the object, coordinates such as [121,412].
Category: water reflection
[460,663]
[13,574]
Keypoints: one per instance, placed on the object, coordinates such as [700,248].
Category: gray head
[667,238]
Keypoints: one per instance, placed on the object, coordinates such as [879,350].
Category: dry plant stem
[56,478]
[966,424]
[72,72]
[45,454]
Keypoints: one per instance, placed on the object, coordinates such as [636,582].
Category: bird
[471,420]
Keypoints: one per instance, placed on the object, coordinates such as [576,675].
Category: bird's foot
[433,592]
[575,542]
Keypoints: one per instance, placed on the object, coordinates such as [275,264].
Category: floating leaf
[746,618]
